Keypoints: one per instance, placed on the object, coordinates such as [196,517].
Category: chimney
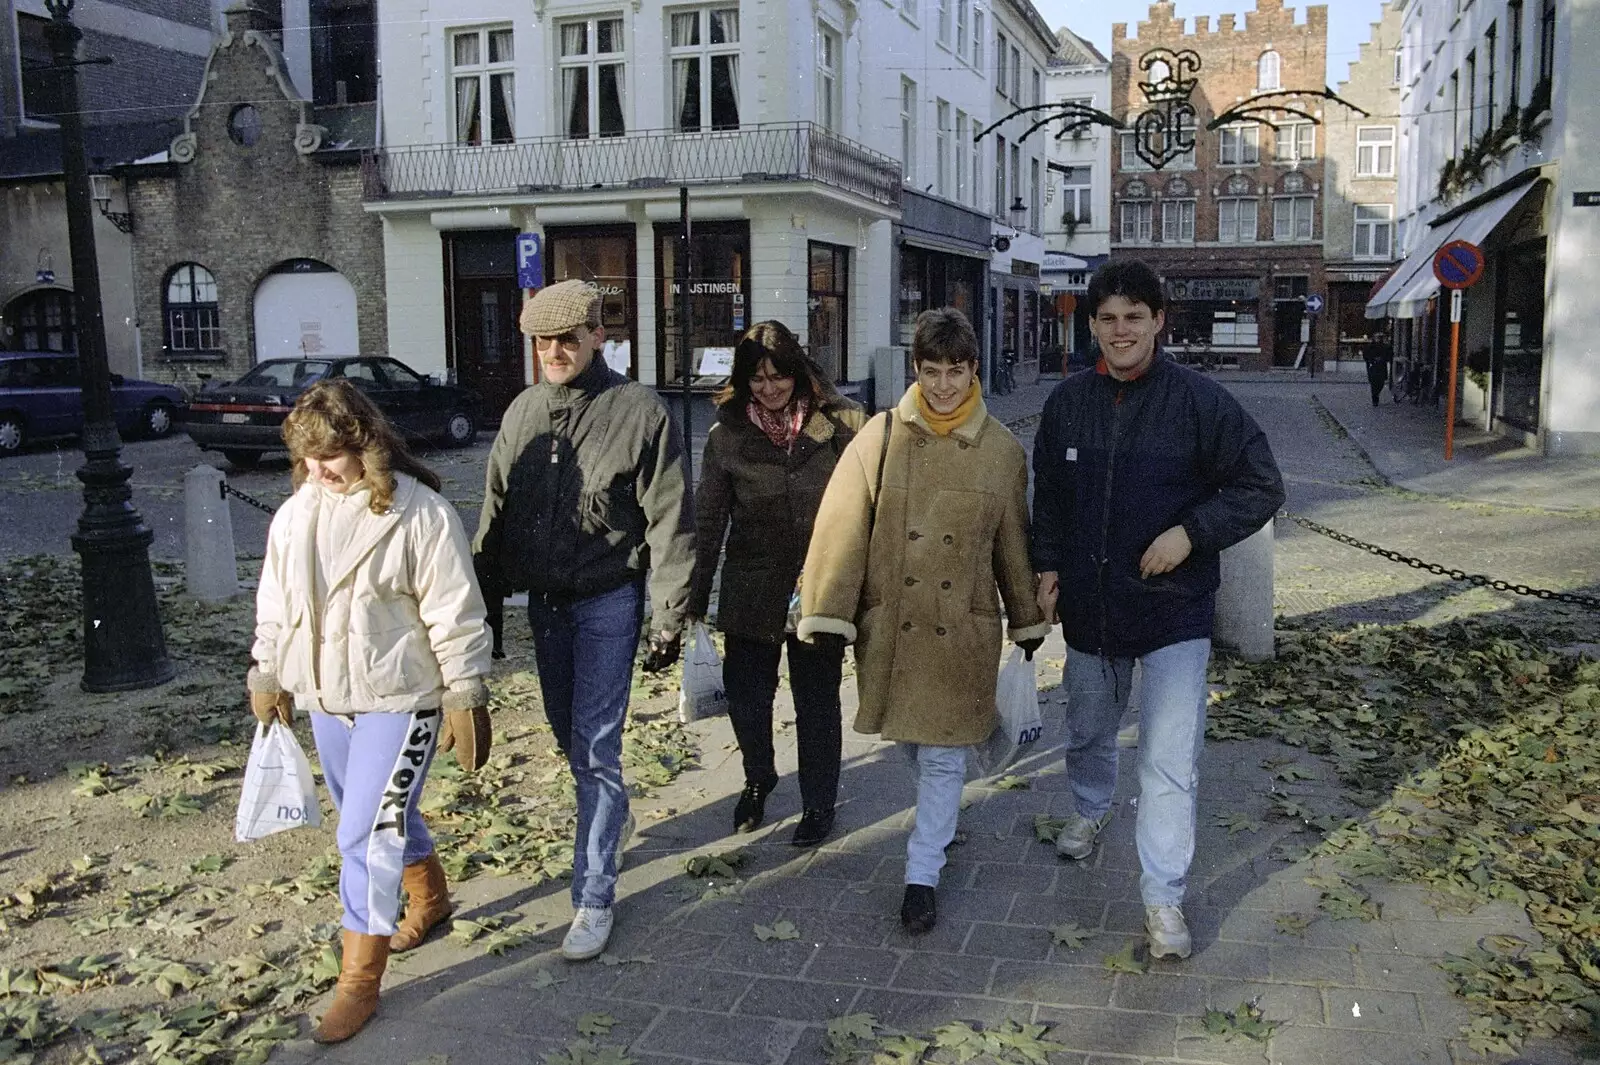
[263,16]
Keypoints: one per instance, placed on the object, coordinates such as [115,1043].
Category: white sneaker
[623,838]
[591,927]
[1077,836]
[1168,931]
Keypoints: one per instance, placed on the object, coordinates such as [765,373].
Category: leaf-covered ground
[131,925]
[1473,745]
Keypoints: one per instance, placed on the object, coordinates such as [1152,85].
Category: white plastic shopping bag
[1016,696]
[279,792]
[701,695]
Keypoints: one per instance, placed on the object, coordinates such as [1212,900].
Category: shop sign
[708,288]
[1022,268]
[1215,288]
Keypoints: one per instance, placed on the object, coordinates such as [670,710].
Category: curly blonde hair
[334,418]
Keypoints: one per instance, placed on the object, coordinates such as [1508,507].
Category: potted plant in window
[1508,134]
[1447,179]
[1537,114]
[1069,222]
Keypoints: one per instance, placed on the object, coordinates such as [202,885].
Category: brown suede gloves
[466,728]
[268,701]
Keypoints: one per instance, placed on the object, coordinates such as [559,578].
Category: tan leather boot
[355,998]
[427,903]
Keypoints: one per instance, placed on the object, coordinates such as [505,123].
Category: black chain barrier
[1477,580]
[230,490]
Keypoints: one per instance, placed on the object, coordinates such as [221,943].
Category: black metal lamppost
[123,646]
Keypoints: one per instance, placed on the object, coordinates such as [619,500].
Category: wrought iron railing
[790,151]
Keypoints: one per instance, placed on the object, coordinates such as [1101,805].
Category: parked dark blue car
[40,396]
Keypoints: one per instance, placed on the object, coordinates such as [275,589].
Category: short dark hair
[775,341]
[944,335]
[1129,278]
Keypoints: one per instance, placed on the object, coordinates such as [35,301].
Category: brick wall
[239,211]
[1229,53]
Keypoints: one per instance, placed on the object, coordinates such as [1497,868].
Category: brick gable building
[1235,226]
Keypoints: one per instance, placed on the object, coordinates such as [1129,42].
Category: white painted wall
[413,261]
[1092,148]
[306,316]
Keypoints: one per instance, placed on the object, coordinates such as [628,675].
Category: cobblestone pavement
[690,981]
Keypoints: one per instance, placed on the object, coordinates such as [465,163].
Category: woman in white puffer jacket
[369,618]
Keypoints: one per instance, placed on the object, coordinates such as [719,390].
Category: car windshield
[296,373]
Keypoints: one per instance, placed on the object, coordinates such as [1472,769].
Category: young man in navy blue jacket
[1143,472]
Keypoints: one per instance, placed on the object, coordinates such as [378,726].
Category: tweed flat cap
[557,308]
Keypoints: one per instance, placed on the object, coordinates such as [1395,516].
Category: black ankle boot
[751,809]
[814,826]
[918,914]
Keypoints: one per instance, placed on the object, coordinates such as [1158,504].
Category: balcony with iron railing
[754,154]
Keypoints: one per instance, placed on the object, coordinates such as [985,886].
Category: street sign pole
[1458,265]
[1455,362]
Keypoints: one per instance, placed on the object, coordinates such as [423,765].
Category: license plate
[235,419]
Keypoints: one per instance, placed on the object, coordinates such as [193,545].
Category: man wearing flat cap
[584,495]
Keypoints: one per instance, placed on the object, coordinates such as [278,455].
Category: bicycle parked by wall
[1004,380]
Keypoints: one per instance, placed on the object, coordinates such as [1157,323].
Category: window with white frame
[963,19]
[1296,142]
[1138,221]
[963,160]
[1035,196]
[1374,235]
[1375,151]
[944,22]
[1015,195]
[908,129]
[1239,145]
[1291,218]
[1002,53]
[941,147]
[1016,75]
[1130,154]
[1077,188]
[976,150]
[1269,72]
[704,49]
[1399,66]
[829,104]
[593,77]
[485,88]
[192,319]
[1177,221]
[1035,90]
[1000,177]
[1236,221]
[909,9]
[978,42]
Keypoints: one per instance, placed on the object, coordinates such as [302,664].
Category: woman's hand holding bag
[268,701]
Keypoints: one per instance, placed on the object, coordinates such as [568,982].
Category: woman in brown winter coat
[780,429]
[922,533]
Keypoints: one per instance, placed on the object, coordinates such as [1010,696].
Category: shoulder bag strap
[883,460]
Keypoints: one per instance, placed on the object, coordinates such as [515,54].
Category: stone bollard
[1244,602]
[211,566]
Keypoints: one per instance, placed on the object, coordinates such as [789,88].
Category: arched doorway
[305,308]
[40,320]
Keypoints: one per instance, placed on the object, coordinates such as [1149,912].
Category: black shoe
[751,809]
[918,914]
[813,828]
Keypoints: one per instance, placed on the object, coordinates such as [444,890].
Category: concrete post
[1244,602]
[211,566]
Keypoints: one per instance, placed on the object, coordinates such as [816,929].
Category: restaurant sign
[1215,288]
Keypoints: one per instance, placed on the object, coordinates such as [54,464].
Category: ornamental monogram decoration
[1164,131]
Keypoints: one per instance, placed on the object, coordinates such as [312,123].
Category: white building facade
[1495,150]
[1077,219]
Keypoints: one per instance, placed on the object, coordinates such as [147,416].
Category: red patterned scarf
[781,426]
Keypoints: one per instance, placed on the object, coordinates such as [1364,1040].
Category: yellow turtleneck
[945,424]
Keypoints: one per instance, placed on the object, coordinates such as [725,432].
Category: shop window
[719,293]
[485,89]
[705,68]
[605,256]
[190,310]
[594,82]
[828,305]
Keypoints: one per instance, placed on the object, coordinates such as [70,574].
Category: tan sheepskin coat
[921,602]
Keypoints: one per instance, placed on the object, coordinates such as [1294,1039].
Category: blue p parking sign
[530,260]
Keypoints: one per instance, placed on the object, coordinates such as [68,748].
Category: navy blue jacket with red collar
[1116,464]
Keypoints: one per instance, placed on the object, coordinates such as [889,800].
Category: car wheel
[12,433]
[158,420]
[244,460]
[461,429]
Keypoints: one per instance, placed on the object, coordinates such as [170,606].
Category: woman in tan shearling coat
[923,531]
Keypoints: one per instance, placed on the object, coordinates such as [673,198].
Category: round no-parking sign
[1459,264]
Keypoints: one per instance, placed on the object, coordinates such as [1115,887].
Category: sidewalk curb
[1413,487]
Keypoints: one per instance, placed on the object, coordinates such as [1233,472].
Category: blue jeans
[585,652]
[1172,725]
[375,765]
[941,772]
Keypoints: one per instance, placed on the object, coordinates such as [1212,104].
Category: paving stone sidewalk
[687,980]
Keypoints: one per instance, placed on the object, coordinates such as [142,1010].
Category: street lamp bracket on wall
[100,192]
[1165,130]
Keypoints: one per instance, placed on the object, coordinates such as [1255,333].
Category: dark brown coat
[770,499]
